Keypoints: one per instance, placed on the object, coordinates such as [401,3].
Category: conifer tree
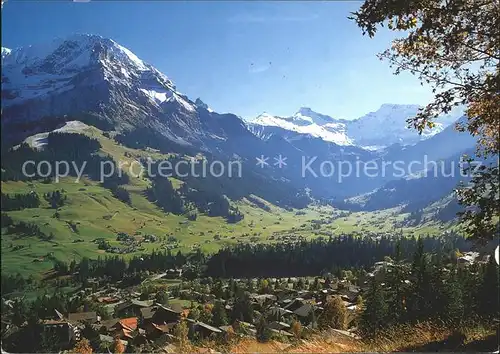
[452,46]
[242,308]
[263,333]
[219,317]
[375,313]
[489,291]
[418,301]
[453,309]
[250,286]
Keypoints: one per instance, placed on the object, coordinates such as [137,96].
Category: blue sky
[239,57]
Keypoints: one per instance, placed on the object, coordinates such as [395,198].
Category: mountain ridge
[94,80]
[364,131]
[101,64]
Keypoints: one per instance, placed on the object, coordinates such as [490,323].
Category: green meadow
[91,212]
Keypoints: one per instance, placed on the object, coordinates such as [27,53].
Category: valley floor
[91,212]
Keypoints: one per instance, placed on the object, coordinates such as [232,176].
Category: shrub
[334,314]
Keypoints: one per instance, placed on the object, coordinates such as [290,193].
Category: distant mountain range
[375,130]
[94,80]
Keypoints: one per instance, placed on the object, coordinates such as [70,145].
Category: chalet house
[158,321]
[279,326]
[286,293]
[294,304]
[280,332]
[165,315]
[159,332]
[244,327]
[203,330]
[124,328]
[146,313]
[173,273]
[105,326]
[467,259]
[349,294]
[131,308]
[83,317]
[67,330]
[278,313]
[305,294]
[263,299]
[304,311]
[66,333]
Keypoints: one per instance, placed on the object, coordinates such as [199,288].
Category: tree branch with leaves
[453,46]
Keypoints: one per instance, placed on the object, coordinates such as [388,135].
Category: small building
[66,333]
[279,325]
[304,311]
[280,332]
[106,326]
[278,313]
[165,314]
[147,313]
[349,294]
[131,308]
[124,328]
[83,317]
[173,273]
[155,331]
[294,304]
[202,329]
[467,259]
[107,299]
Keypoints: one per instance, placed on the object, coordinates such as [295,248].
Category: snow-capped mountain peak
[55,67]
[306,121]
[267,119]
[89,74]
[381,128]
[388,125]
[200,104]
[5,52]
[77,50]
[307,114]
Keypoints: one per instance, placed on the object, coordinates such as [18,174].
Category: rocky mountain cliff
[95,80]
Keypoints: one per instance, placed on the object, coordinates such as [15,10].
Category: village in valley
[150,319]
[314,204]
[168,313]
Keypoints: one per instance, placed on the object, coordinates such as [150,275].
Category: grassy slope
[98,214]
[419,338]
